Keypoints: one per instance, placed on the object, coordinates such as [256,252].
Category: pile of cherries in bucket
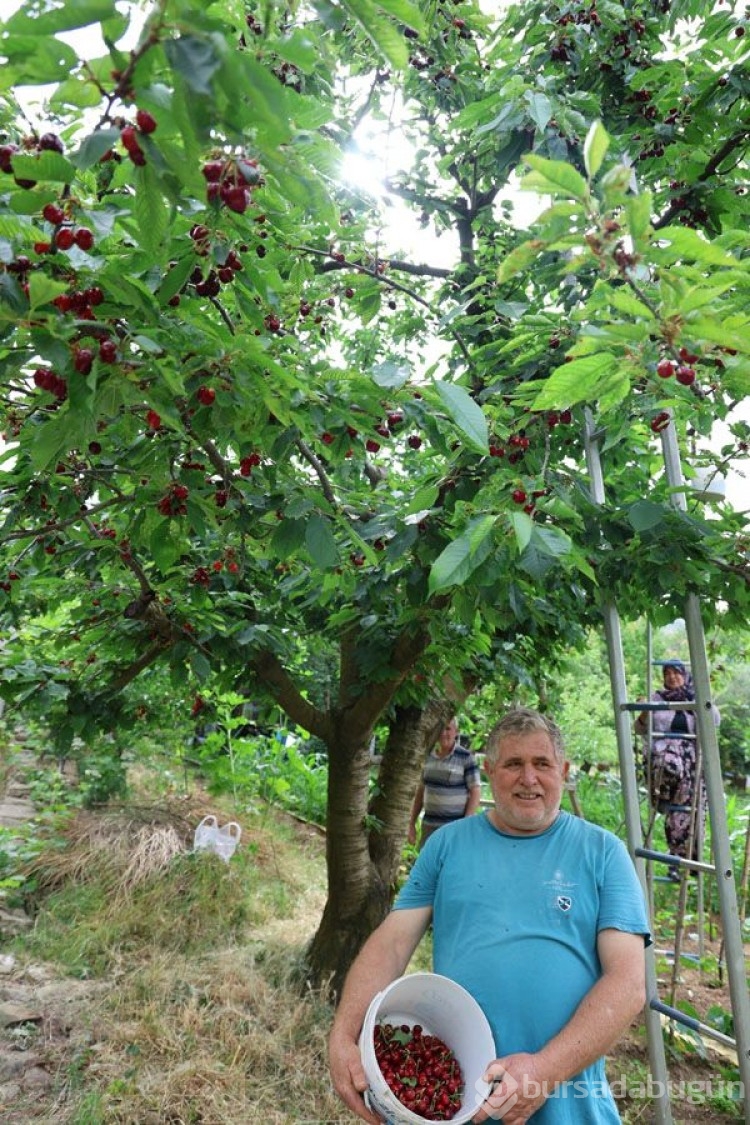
[421,1070]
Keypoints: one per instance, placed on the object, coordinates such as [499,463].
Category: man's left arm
[600,1019]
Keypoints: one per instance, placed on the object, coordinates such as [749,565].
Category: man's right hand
[348,1076]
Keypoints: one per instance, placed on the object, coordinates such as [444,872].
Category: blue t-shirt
[515,921]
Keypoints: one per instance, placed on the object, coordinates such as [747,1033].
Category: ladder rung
[682,735]
[675,860]
[666,705]
[689,1021]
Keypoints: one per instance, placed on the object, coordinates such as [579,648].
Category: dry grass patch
[215,1041]
[204,1017]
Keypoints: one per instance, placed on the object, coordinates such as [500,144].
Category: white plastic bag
[222,841]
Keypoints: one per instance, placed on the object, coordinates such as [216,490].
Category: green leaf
[594,148]
[46,167]
[196,60]
[638,209]
[50,441]
[200,665]
[287,538]
[519,258]
[423,500]
[625,301]
[466,414]
[175,279]
[58,15]
[43,289]
[34,61]
[540,109]
[523,525]
[702,295]
[686,243]
[320,543]
[12,296]
[93,147]
[165,549]
[149,209]
[644,515]
[390,374]
[405,12]
[384,36]
[460,558]
[553,177]
[577,381]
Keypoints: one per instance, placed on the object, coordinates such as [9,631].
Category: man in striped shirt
[450,787]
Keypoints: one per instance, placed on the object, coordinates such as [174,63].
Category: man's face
[447,738]
[527,783]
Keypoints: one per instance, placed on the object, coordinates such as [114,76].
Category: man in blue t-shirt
[540,916]
[450,787]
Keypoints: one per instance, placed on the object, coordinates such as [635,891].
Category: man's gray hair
[522,720]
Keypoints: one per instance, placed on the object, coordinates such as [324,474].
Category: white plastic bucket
[445,1009]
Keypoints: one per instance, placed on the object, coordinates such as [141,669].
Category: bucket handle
[209,820]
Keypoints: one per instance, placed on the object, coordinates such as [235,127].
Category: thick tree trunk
[413,731]
[357,895]
[365,840]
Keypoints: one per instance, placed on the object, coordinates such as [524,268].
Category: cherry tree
[240,415]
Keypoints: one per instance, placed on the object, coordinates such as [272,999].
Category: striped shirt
[447,782]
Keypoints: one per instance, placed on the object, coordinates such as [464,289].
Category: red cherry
[108,351]
[64,238]
[414,441]
[665,369]
[372,446]
[145,122]
[53,214]
[685,375]
[84,238]
[212,171]
[129,138]
[327,438]
[206,395]
[236,198]
[518,496]
[83,360]
[660,421]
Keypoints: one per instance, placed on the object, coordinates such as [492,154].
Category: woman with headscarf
[671,763]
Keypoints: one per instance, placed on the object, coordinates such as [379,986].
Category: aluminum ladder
[722,867]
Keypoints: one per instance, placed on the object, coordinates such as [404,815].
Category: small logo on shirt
[564,903]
